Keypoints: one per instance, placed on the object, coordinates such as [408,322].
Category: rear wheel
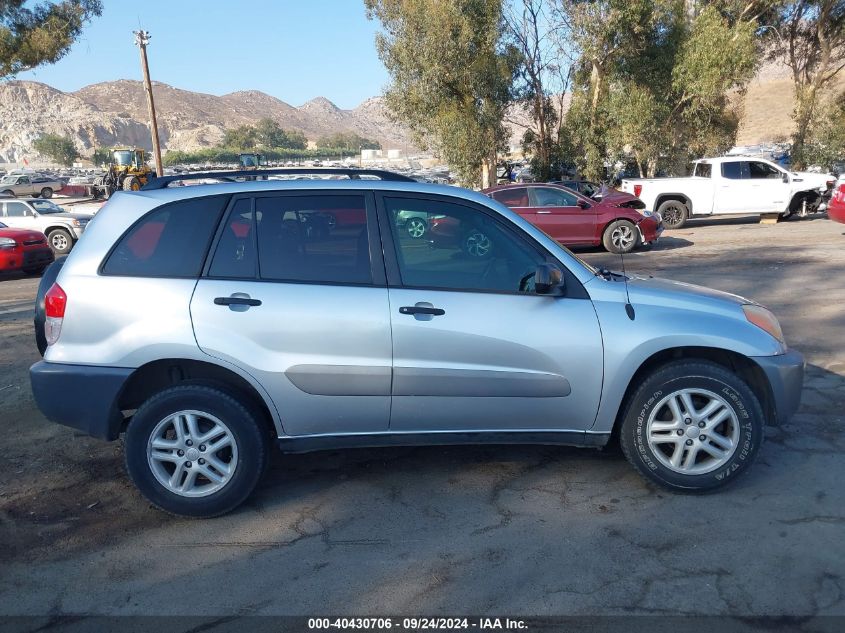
[195,451]
[674,213]
[692,426]
[46,192]
[60,241]
[620,237]
[416,227]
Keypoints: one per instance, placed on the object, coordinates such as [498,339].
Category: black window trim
[101,268]
[377,269]
[574,288]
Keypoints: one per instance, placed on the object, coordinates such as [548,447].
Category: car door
[18,215]
[771,191]
[736,192]
[474,348]
[297,298]
[558,214]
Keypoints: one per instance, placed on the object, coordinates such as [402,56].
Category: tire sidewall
[684,214]
[737,395]
[251,444]
[608,237]
[68,237]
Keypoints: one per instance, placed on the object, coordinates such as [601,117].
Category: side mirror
[584,204]
[548,279]
[786,177]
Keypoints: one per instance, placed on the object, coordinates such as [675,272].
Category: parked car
[619,221]
[29,185]
[22,249]
[731,185]
[62,229]
[836,208]
[205,327]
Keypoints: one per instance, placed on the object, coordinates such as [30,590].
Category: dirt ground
[516,530]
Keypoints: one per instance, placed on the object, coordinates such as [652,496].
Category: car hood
[617,198]
[814,179]
[658,291]
[21,234]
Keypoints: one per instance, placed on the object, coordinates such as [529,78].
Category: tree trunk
[805,102]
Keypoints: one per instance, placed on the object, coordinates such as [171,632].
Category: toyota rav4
[208,323]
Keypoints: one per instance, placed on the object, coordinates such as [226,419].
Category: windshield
[44,206]
[3,226]
[123,158]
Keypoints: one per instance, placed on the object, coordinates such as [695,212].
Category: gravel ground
[516,530]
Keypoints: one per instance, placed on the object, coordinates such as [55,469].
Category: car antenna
[629,309]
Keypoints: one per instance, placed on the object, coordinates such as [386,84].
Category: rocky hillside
[115,112]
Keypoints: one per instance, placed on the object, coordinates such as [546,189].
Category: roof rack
[231,176]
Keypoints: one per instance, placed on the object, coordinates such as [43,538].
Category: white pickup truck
[731,185]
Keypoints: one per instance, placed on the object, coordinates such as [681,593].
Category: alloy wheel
[623,237]
[478,244]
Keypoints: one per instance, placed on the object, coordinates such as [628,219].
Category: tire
[60,241]
[9,192]
[46,192]
[648,435]
[47,280]
[620,237]
[416,228]
[205,497]
[131,183]
[674,213]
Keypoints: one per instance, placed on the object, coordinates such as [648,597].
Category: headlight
[763,319]
[7,242]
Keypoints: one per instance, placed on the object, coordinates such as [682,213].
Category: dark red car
[22,249]
[836,206]
[618,221]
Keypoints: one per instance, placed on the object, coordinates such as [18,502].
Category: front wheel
[674,213]
[692,426]
[620,237]
[46,192]
[60,241]
[10,193]
[131,183]
[416,228]
[195,451]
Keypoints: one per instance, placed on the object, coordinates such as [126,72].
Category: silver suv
[210,322]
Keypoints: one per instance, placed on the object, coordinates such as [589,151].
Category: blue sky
[292,49]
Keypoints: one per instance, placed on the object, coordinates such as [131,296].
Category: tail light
[638,189]
[55,302]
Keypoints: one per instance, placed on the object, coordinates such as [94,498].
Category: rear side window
[735,171]
[515,197]
[703,170]
[315,238]
[171,241]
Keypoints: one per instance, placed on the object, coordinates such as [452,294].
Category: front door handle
[422,309]
[237,302]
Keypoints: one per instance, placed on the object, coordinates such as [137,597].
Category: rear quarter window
[170,241]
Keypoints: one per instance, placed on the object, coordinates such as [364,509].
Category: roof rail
[354,174]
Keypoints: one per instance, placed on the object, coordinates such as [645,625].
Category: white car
[62,229]
[731,185]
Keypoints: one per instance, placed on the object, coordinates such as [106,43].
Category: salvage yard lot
[496,529]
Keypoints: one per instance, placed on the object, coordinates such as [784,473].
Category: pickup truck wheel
[46,192]
[620,237]
[60,241]
[195,451]
[692,426]
[9,192]
[674,214]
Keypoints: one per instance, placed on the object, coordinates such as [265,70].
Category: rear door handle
[237,302]
[420,309]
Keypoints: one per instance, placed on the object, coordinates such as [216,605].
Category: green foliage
[826,144]
[102,155]
[266,134]
[348,141]
[61,149]
[34,34]
[451,76]
[230,155]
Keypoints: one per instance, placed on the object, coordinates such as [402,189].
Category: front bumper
[650,229]
[785,373]
[83,397]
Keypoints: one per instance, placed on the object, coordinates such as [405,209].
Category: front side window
[759,170]
[549,197]
[317,238]
[16,210]
[465,249]
[170,241]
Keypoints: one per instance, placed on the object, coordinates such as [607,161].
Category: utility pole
[142,38]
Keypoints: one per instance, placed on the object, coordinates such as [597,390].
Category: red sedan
[22,249]
[836,206]
[619,221]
